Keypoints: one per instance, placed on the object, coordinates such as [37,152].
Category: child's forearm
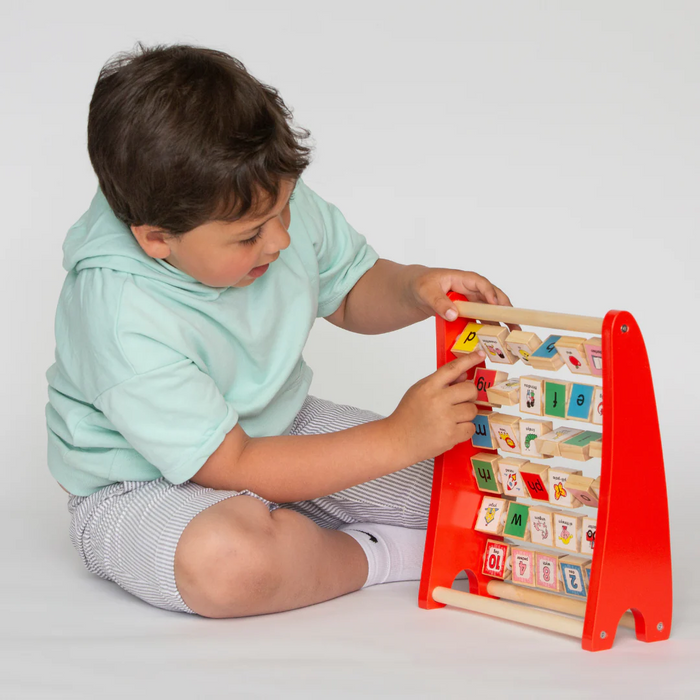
[290,468]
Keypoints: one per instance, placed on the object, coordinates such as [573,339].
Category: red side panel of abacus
[629,571]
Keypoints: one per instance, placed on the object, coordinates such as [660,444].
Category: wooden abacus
[627,572]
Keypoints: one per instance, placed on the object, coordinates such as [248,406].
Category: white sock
[393,553]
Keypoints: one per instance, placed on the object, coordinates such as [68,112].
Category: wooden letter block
[597,417]
[556,398]
[491,515]
[485,465]
[594,356]
[550,443]
[482,438]
[580,488]
[493,342]
[546,356]
[523,344]
[559,495]
[588,536]
[578,447]
[484,379]
[547,572]
[542,525]
[506,431]
[580,402]
[536,480]
[573,576]
[506,393]
[517,524]
[523,566]
[511,481]
[573,352]
[595,487]
[530,430]
[495,559]
[467,340]
[595,449]
[567,531]
[532,395]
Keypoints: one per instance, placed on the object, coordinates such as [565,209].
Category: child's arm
[434,415]
[390,296]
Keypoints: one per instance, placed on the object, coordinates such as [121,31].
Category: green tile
[555,399]
[485,478]
[516,523]
[584,438]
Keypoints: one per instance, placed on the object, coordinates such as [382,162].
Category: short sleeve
[174,416]
[343,256]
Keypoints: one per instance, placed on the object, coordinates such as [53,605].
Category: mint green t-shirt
[153,368]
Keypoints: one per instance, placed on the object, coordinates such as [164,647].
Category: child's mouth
[258,271]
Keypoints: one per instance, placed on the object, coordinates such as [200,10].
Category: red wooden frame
[628,571]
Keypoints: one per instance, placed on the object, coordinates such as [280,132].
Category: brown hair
[180,135]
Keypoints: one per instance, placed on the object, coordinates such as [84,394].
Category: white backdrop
[552,147]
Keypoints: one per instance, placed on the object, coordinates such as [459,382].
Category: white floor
[67,634]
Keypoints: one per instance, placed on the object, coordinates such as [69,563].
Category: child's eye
[252,239]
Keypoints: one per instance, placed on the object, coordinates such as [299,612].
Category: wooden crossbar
[543,319]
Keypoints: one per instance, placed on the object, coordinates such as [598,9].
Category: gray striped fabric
[127,532]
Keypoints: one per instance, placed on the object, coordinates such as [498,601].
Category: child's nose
[279,240]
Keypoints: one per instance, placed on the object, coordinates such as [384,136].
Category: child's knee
[225,560]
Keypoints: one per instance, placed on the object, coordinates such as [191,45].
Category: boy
[202,476]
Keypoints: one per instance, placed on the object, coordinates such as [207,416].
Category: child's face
[223,254]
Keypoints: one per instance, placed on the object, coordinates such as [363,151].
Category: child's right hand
[435,414]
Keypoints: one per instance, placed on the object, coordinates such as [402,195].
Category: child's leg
[230,553]
[237,558]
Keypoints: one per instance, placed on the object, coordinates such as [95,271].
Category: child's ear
[152,240]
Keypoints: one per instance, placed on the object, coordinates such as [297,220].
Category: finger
[451,370]
[486,289]
[445,308]
[466,431]
[465,412]
[462,393]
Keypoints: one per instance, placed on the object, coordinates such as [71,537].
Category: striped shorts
[128,532]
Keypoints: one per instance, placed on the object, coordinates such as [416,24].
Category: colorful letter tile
[572,576]
[482,437]
[530,430]
[580,402]
[547,573]
[485,467]
[541,526]
[594,355]
[511,481]
[532,395]
[523,566]
[559,495]
[495,559]
[588,536]
[467,340]
[484,379]
[536,480]
[567,532]
[491,515]
[556,397]
[517,522]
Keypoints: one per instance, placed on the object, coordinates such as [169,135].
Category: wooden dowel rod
[542,599]
[543,319]
[509,611]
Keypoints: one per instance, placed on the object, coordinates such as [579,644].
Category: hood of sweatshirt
[100,239]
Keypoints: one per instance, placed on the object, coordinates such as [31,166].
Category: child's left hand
[430,288]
